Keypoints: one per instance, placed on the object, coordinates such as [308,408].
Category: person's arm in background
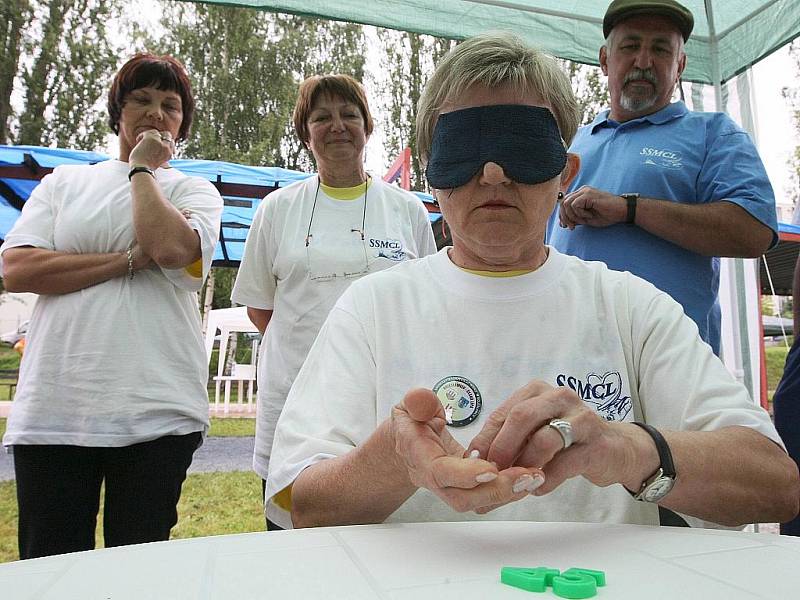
[160,228]
[255,284]
[713,229]
[731,213]
[259,317]
[29,269]
[31,262]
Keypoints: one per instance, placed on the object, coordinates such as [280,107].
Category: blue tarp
[242,188]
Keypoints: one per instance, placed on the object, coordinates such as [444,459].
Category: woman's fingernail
[486,477]
[521,484]
[527,483]
[474,453]
[537,482]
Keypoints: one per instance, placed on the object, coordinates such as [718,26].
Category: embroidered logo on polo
[657,157]
[388,248]
[460,398]
[602,391]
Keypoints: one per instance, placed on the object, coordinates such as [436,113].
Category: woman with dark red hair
[112,388]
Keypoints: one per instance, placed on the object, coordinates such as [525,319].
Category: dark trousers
[58,493]
[786,407]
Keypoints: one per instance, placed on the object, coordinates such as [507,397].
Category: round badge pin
[460,398]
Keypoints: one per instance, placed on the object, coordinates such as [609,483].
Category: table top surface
[445,561]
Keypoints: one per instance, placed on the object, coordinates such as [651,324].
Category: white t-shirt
[277,269]
[624,346]
[123,361]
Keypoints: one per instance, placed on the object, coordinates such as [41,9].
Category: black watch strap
[664,453]
[141,169]
[631,200]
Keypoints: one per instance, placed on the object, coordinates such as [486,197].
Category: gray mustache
[645,74]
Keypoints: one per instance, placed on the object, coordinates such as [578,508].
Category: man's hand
[517,433]
[593,207]
[436,461]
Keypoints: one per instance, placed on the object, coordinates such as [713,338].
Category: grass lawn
[211,504]
[9,358]
[775,359]
[232,427]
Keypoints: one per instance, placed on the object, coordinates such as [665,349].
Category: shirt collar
[668,113]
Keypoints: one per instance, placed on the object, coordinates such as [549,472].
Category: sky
[777,135]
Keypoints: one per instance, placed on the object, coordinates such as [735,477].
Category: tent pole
[713,52]
[742,360]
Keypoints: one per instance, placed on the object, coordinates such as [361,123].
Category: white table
[442,561]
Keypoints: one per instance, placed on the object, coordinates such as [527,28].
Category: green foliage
[590,88]
[788,308]
[224,279]
[70,60]
[245,67]
[767,306]
[408,61]
[792,97]
[13,17]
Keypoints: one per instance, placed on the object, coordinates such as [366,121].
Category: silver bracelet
[129,254]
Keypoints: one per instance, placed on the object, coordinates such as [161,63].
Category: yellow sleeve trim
[283,499]
[195,269]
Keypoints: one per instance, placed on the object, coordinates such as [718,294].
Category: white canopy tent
[728,37]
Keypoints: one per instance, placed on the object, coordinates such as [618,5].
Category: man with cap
[663,191]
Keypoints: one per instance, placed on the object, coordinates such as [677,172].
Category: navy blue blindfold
[524,140]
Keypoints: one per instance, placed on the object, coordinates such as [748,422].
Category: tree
[13,17]
[590,88]
[792,97]
[408,59]
[245,67]
[65,69]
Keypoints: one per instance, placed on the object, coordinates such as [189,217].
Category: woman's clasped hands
[516,454]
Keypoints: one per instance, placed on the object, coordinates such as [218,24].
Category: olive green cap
[619,10]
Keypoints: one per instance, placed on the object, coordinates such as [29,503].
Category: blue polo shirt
[673,154]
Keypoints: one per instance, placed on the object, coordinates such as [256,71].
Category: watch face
[658,489]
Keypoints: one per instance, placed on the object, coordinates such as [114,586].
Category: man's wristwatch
[659,484]
[631,200]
